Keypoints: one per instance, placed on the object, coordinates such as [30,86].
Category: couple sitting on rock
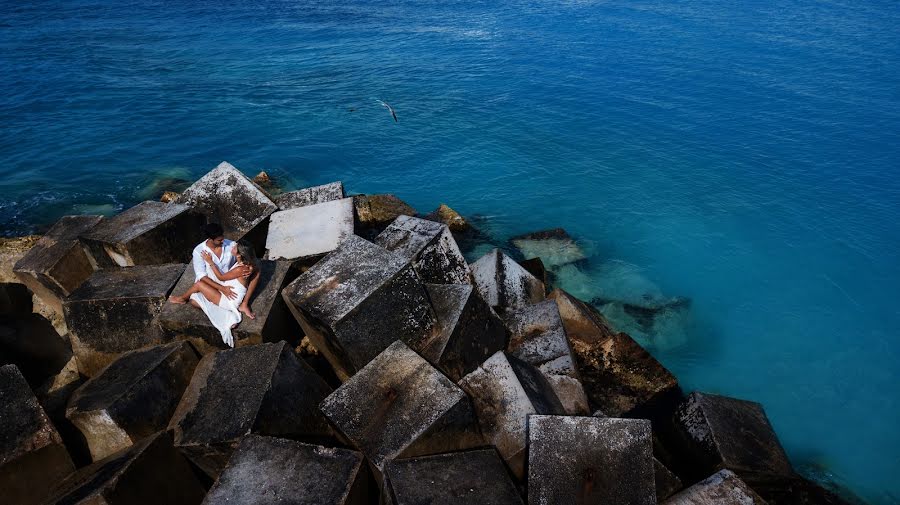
[226,274]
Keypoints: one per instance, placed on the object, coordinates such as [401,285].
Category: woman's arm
[234,273]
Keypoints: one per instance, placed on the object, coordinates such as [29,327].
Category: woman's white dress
[226,314]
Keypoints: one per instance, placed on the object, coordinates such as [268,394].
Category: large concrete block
[310,230]
[266,470]
[54,395]
[590,460]
[537,336]
[310,196]
[504,392]
[15,300]
[722,488]
[150,233]
[32,455]
[228,197]
[470,331]
[476,476]
[32,344]
[375,212]
[555,247]
[357,300]
[132,398]
[429,246]
[583,323]
[150,472]
[263,389]
[667,483]
[58,262]
[113,312]
[400,406]
[796,490]
[273,320]
[503,283]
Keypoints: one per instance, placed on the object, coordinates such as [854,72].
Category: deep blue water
[741,154]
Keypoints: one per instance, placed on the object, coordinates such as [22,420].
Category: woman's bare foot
[177,299]
[247,312]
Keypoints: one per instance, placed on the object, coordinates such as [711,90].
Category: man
[220,249]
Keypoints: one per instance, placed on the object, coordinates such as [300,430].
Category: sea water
[740,155]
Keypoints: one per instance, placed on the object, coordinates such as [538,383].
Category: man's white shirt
[224,262]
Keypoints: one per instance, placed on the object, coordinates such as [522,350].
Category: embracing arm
[236,272]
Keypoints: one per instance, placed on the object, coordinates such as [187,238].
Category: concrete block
[590,460]
[132,398]
[113,312]
[357,300]
[400,406]
[311,230]
[667,483]
[476,476]
[148,473]
[150,233]
[15,301]
[503,283]
[54,395]
[429,246]
[722,488]
[375,212]
[263,389]
[32,344]
[535,267]
[583,323]
[310,196]
[58,263]
[266,470]
[796,490]
[32,455]
[555,247]
[537,336]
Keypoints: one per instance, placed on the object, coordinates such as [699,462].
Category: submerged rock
[555,247]
[309,230]
[503,283]
[168,197]
[429,246]
[375,212]
[445,215]
[722,488]
[310,196]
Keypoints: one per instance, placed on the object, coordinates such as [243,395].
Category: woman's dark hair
[247,253]
[213,230]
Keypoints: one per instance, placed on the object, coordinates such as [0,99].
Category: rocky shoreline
[382,368]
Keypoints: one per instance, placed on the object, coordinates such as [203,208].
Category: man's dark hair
[213,230]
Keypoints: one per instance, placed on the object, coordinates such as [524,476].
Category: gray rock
[503,283]
[429,246]
[150,233]
[400,406]
[357,300]
[32,455]
[311,230]
[590,460]
[448,479]
[555,247]
[58,263]
[132,398]
[263,389]
[113,312]
[267,470]
[148,473]
[310,196]
[722,488]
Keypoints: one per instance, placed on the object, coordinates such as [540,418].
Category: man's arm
[199,265]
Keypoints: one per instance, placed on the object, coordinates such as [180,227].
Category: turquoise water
[743,155]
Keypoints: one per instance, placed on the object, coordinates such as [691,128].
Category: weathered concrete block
[310,196]
[503,283]
[448,479]
[504,392]
[150,233]
[535,267]
[722,488]
[590,460]
[583,323]
[470,332]
[796,490]
[54,395]
[375,212]
[58,263]
[537,336]
[15,301]
[667,483]
[148,473]
[274,470]
[113,312]
[308,231]
[400,406]
[555,247]
[429,246]
[357,300]
[273,320]
[263,389]
[32,455]
[32,344]
[132,398]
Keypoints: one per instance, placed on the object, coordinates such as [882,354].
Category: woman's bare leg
[212,294]
[251,287]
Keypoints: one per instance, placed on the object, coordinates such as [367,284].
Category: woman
[222,311]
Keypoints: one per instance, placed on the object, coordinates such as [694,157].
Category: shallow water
[743,155]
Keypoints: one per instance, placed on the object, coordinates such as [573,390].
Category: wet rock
[58,263]
[667,483]
[310,230]
[469,330]
[148,473]
[503,283]
[555,247]
[132,398]
[263,389]
[113,312]
[429,246]
[265,182]
[445,215]
[357,300]
[150,233]
[400,406]
[537,336]
[32,455]
[375,212]
[32,344]
[268,470]
[535,267]
[589,460]
[504,392]
[448,479]
[310,196]
[722,488]
[168,197]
